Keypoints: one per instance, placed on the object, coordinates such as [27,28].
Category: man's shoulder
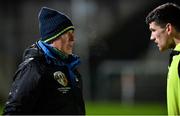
[32,64]
[27,67]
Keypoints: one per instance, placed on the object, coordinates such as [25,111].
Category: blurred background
[121,67]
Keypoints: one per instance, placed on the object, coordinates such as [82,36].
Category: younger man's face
[160,36]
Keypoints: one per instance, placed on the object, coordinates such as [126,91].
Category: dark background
[118,60]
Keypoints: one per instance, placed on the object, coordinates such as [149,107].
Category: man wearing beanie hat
[47,81]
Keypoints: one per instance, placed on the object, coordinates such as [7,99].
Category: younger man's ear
[169,28]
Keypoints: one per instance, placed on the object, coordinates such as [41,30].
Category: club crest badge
[60,78]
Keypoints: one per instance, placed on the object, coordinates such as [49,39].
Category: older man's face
[65,42]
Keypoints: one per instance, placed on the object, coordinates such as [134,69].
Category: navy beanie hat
[53,24]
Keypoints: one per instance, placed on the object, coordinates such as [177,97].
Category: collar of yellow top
[177,48]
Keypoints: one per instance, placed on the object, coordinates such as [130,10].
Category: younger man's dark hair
[166,13]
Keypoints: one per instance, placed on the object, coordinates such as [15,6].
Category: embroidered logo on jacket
[60,78]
